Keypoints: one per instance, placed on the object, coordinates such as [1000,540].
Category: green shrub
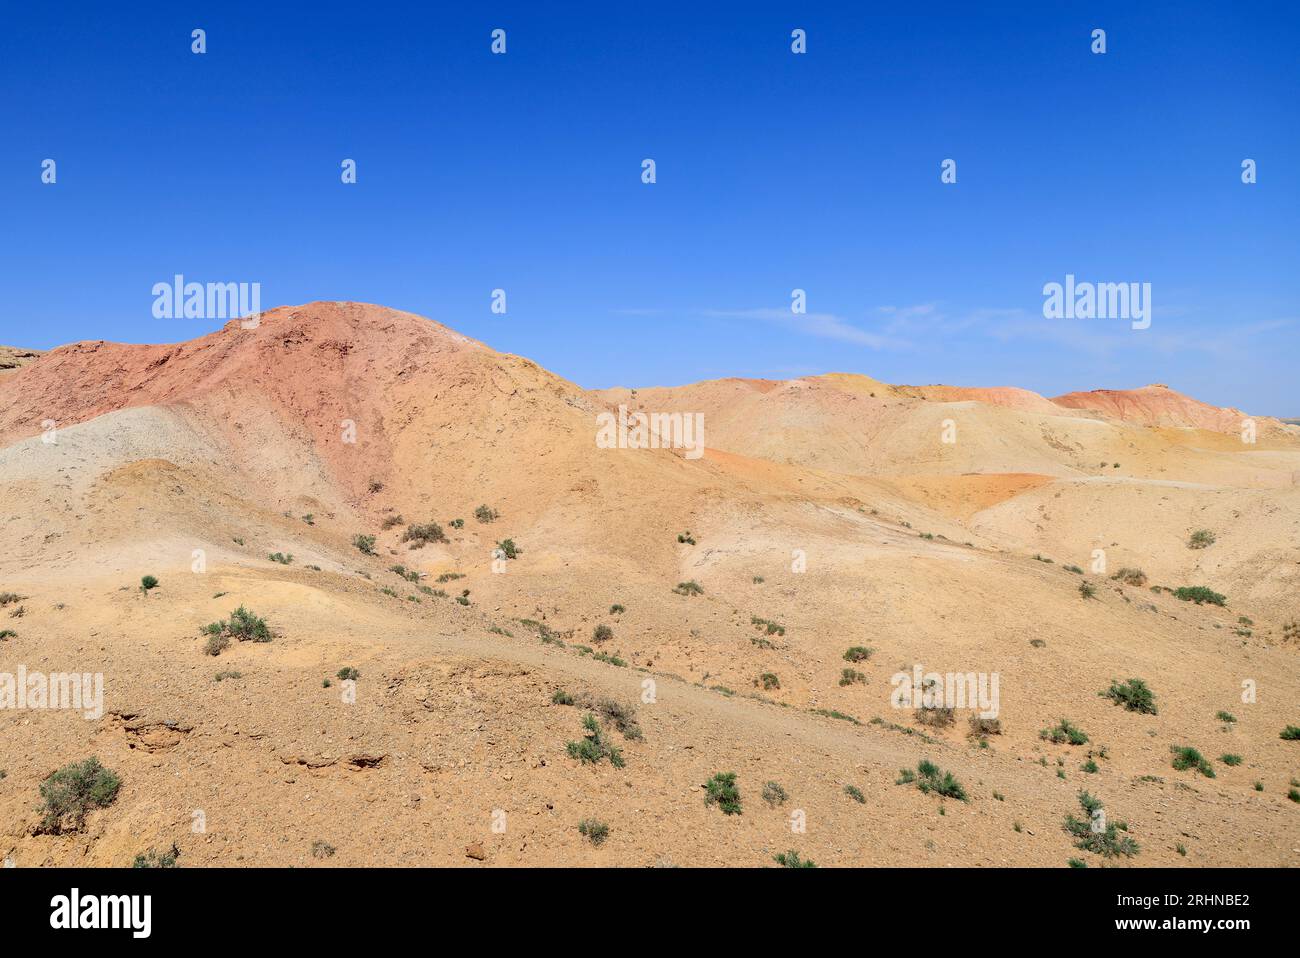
[602,633]
[1199,594]
[1186,757]
[616,609]
[561,697]
[148,582]
[228,674]
[595,830]
[855,793]
[721,790]
[421,534]
[1133,577]
[1092,836]
[486,513]
[1133,695]
[155,860]
[1087,590]
[217,642]
[852,677]
[593,747]
[1229,759]
[768,680]
[774,794]
[281,558]
[773,628]
[348,672]
[8,634]
[685,538]
[365,543]
[1290,734]
[930,778]
[247,627]
[73,791]
[1073,568]
[1064,732]
[857,653]
[689,588]
[508,548]
[1225,717]
[1201,539]
[791,859]
[981,727]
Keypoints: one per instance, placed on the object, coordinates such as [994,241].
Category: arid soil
[825,513]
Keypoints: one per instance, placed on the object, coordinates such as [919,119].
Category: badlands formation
[825,514]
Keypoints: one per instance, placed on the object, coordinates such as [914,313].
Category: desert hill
[826,513]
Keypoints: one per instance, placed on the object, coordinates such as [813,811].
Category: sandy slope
[920,549]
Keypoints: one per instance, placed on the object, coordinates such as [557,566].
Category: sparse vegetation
[774,794]
[486,513]
[602,633]
[1064,732]
[1073,568]
[242,625]
[791,859]
[1201,539]
[365,543]
[1087,590]
[508,548]
[852,677]
[281,558]
[148,582]
[348,673]
[1186,757]
[685,538]
[768,681]
[1094,834]
[721,790]
[594,746]
[983,727]
[228,674]
[421,534]
[1133,695]
[1229,759]
[410,575]
[561,697]
[8,634]
[1290,734]
[1133,577]
[595,830]
[153,859]
[770,627]
[928,777]
[1225,717]
[616,609]
[73,791]
[320,849]
[391,521]
[855,793]
[689,588]
[1200,595]
[857,653]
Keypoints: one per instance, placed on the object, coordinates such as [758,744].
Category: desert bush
[855,793]
[1225,717]
[791,859]
[936,716]
[595,830]
[486,513]
[8,598]
[593,746]
[602,633]
[1073,568]
[1133,577]
[689,588]
[616,609]
[721,790]
[1087,590]
[281,558]
[247,627]
[768,681]
[561,697]
[73,791]
[1186,757]
[8,634]
[772,628]
[457,523]
[1290,734]
[1133,695]
[148,582]
[1230,760]
[685,538]
[852,677]
[391,521]
[928,777]
[1199,594]
[320,849]
[1105,841]
[774,794]
[857,653]
[153,859]
[980,727]
[216,644]
[508,548]
[1201,539]
[348,672]
[365,543]
[1064,732]
[421,534]
[228,674]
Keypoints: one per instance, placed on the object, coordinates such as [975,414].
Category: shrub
[561,697]
[1091,835]
[685,538]
[365,543]
[390,521]
[936,716]
[1199,594]
[773,628]
[457,523]
[8,634]
[228,674]
[321,849]
[616,609]
[602,633]
[857,653]
[1064,732]
[791,859]
[768,680]
[281,558]
[930,778]
[508,548]
[1133,577]
[1225,717]
[155,860]
[422,534]
[593,747]
[1201,539]
[1186,757]
[216,644]
[1073,568]
[7,598]
[410,575]
[774,794]
[73,791]
[980,727]
[1294,795]
[1087,590]
[486,513]
[348,672]
[1290,734]
[689,588]
[721,790]
[247,627]
[1133,695]
[855,793]
[1229,759]
[595,830]
[852,677]
[148,582]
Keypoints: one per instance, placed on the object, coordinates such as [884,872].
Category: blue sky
[775,171]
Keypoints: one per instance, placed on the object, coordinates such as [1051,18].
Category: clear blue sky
[775,171]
